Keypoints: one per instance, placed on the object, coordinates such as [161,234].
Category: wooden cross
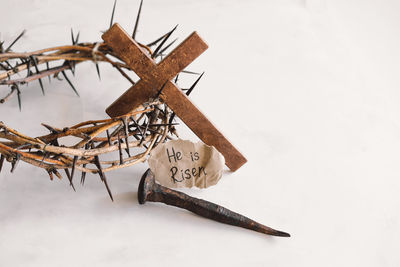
[154,76]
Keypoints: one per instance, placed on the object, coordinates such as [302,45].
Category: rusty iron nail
[149,190]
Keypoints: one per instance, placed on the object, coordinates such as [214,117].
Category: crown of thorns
[126,140]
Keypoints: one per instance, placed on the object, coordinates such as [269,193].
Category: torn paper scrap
[182,163]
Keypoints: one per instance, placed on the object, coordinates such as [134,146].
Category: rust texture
[149,190]
[155,76]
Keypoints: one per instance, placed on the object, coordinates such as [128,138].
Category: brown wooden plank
[129,51]
[201,125]
[184,54]
[133,97]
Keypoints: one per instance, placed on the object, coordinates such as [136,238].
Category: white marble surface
[308,90]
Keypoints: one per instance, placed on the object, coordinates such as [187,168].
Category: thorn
[57,174]
[163,41]
[51,129]
[50,174]
[9,65]
[190,72]
[137,126]
[102,175]
[69,82]
[108,189]
[124,74]
[19,100]
[1,161]
[37,72]
[23,61]
[18,96]
[73,167]
[72,37]
[137,138]
[124,121]
[194,85]
[28,68]
[145,131]
[161,89]
[112,14]
[71,66]
[156,41]
[83,176]
[16,39]
[171,119]
[98,70]
[48,67]
[98,165]
[176,78]
[55,143]
[15,162]
[108,137]
[165,48]
[77,37]
[69,178]
[137,21]
[121,159]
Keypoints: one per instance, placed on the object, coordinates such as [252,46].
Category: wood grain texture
[201,125]
[153,76]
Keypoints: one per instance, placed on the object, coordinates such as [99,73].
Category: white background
[307,90]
